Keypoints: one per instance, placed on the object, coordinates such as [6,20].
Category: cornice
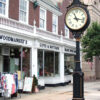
[48,7]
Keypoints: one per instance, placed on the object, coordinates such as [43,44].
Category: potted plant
[35,84]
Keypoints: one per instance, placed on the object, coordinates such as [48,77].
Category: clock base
[78,99]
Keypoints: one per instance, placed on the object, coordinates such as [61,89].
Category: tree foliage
[91,41]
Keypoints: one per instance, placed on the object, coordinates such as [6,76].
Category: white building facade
[31,50]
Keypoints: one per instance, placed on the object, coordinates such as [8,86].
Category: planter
[36,89]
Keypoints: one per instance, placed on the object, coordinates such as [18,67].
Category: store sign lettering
[12,39]
[70,50]
[48,46]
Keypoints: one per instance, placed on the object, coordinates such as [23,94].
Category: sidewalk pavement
[92,92]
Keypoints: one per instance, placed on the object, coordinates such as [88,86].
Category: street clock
[77,18]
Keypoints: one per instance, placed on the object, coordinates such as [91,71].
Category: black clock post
[78,75]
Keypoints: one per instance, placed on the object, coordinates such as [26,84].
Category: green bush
[35,81]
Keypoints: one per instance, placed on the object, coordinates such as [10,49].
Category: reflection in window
[69,64]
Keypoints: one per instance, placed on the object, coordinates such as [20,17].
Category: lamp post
[78,75]
[77,19]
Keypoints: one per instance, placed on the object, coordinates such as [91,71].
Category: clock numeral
[76,11]
[69,19]
[83,20]
[70,22]
[76,26]
[72,25]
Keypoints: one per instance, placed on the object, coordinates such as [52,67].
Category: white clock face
[76,18]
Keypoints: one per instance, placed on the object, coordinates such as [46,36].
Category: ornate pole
[78,76]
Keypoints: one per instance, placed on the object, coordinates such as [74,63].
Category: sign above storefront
[12,39]
[49,46]
[69,50]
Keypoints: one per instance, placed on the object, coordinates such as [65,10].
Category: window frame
[45,20]
[6,9]
[27,13]
[53,15]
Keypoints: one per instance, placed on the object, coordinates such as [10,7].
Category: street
[92,92]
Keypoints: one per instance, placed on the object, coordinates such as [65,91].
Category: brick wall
[97,66]
[14,9]
[49,21]
[61,22]
[33,14]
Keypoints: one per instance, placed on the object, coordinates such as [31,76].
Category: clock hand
[75,17]
[79,19]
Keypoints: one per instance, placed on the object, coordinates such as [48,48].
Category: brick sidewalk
[92,92]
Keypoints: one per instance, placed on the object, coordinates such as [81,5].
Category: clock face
[76,18]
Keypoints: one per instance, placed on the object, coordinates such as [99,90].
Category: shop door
[6,62]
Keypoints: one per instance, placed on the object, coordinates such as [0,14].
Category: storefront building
[15,54]
[32,48]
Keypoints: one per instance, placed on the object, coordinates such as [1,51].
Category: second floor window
[3,7]
[54,24]
[23,11]
[66,32]
[42,18]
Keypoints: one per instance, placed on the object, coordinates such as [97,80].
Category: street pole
[78,75]
[77,67]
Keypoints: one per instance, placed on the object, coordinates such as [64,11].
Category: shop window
[4,7]
[69,64]
[56,63]
[17,63]
[54,23]
[26,62]
[40,62]
[23,11]
[48,63]
[42,18]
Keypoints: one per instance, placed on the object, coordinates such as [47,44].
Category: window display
[12,63]
[69,64]
[48,63]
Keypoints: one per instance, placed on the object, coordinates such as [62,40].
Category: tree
[91,42]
